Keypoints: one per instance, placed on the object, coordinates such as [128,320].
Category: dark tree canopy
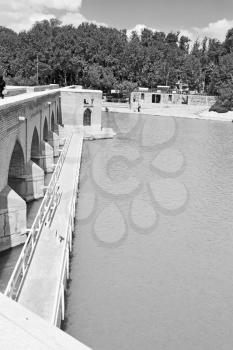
[105,58]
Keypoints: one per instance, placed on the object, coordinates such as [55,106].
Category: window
[87,117]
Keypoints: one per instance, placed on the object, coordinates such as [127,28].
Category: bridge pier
[30,185]
[62,135]
[45,159]
[13,219]
[53,140]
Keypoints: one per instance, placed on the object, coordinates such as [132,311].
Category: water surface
[152,264]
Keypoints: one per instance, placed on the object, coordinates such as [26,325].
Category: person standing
[2,86]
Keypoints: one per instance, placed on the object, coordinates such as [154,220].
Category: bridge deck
[43,278]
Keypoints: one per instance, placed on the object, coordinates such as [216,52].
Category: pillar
[45,159]
[30,186]
[53,140]
[13,219]
[61,133]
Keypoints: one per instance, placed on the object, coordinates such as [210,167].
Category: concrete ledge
[182,111]
[104,133]
[22,329]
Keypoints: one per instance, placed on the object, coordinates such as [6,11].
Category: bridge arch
[59,116]
[53,124]
[87,117]
[45,130]
[17,165]
[35,144]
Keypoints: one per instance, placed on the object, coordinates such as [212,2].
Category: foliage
[105,58]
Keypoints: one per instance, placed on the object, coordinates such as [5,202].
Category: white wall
[73,107]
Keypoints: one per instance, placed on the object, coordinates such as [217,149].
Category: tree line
[105,58]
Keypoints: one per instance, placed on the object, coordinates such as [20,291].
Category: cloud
[76,18]
[20,15]
[216,29]
[21,21]
[187,33]
[42,5]
[138,29]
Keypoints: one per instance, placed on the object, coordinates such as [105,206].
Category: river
[152,262]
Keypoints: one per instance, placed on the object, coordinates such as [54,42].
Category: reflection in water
[158,275]
[8,260]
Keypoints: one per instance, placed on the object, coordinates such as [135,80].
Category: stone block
[13,219]
[45,160]
[34,182]
[53,140]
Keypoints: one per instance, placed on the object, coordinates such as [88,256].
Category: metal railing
[61,287]
[48,205]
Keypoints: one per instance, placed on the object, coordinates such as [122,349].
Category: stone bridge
[29,142]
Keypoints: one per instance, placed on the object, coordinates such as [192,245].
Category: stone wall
[200,100]
[21,179]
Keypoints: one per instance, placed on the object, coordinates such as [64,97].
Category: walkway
[44,279]
[183,111]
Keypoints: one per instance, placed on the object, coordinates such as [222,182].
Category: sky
[195,18]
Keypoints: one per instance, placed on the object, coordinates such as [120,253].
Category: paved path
[42,281]
[183,111]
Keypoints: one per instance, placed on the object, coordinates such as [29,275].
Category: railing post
[67,263]
[62,302]
[23,267]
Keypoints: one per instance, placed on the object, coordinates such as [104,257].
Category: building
[148,99]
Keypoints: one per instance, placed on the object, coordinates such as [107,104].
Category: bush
[19,81]
[219,108]
[224,102]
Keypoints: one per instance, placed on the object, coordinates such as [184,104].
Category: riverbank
[183,111]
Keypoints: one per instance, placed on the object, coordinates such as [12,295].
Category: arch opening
[45,130]
[52,122]
[35,146]
[17,167]
[59,117]
[87,117]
